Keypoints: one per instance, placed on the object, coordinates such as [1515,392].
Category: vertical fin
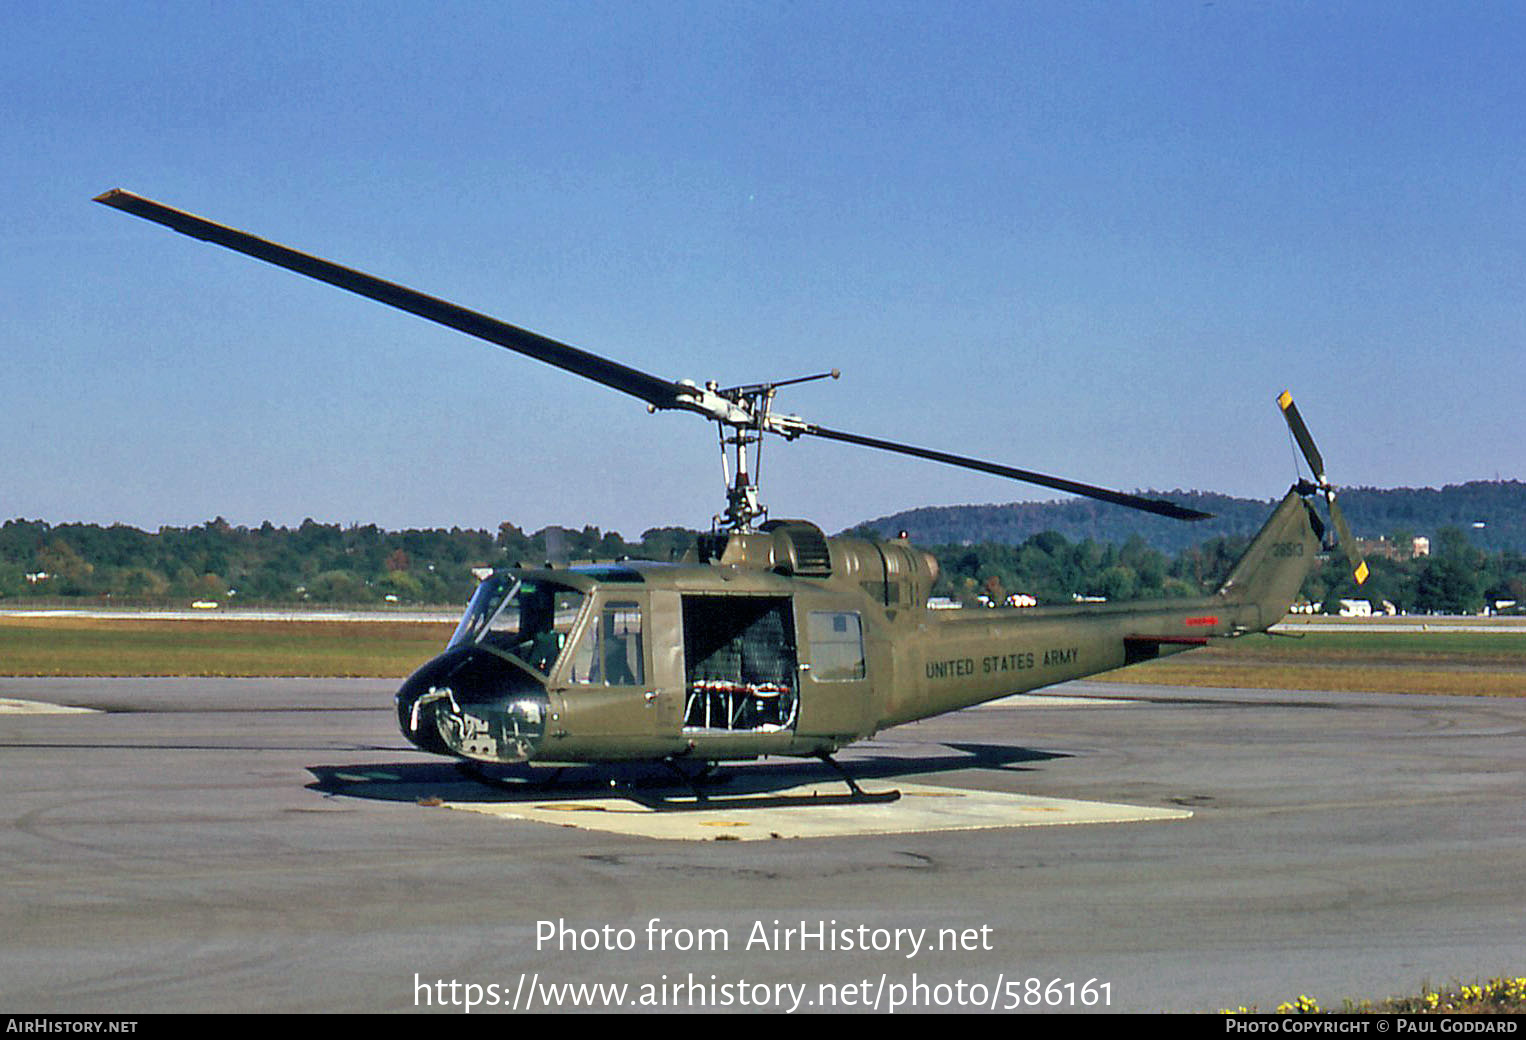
[1270,572]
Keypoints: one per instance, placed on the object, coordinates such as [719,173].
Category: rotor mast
[755,401]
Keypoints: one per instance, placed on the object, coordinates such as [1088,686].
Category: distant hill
[1500,505]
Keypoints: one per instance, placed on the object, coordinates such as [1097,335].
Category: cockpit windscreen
[529,620]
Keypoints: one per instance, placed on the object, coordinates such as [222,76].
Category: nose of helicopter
[471,703]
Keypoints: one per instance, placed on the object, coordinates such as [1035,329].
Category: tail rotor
[1344,539]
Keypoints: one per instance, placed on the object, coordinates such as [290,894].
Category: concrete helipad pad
[816,810]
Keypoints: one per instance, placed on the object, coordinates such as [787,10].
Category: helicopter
[770,638]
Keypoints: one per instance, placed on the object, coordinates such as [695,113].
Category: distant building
[1388,550]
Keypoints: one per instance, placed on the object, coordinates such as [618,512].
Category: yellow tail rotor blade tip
[1284,399]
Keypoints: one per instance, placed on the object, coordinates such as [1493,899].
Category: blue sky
[1092,239]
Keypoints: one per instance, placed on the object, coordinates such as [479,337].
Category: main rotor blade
[659,393]
[1121,498]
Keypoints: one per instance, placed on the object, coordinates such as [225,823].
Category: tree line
[362,564]
[310,563]
[1457,577]
[1492,512]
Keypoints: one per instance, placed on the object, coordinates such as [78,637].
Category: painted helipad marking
[921,808]
[13,706]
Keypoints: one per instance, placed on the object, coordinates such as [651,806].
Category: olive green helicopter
[769,638]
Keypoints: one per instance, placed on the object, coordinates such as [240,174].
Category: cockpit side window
[610,652]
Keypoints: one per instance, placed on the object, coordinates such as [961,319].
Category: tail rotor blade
[1348,542]
[1302,436]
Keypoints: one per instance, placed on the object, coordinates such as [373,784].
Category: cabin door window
[837,645]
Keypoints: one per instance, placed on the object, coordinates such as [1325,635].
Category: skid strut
[859,794]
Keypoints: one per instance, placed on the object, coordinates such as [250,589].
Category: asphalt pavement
[275,845]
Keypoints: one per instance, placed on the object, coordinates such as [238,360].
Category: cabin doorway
[740,664]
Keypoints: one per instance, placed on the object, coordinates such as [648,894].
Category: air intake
[800,548]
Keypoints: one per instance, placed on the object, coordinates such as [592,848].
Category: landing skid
[702,802]
[481,774]
[642,794]
[753,802]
